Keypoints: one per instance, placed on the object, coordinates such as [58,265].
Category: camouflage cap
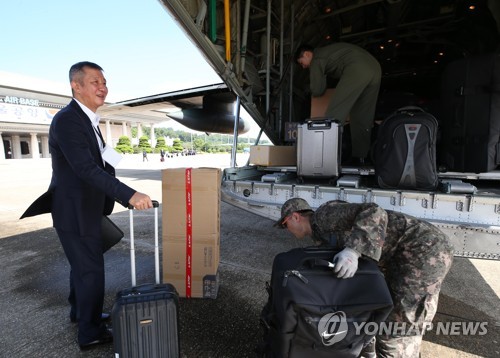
[290,206]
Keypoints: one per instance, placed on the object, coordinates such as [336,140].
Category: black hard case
[405,150]
[145,317]
[295,307]
[470,118]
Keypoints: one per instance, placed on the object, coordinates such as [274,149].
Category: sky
[138,44]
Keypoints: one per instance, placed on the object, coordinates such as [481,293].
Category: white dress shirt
[94,120]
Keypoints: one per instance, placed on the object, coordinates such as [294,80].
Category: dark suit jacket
[82,188]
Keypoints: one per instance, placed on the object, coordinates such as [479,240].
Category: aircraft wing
[206,109]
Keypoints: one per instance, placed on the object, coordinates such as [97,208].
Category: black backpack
[404,153]
[311,313]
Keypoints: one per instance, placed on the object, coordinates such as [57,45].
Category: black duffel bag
[312,313]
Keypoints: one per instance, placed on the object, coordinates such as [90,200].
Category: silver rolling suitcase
[319,144]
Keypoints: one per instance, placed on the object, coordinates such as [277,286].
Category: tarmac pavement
[34,319]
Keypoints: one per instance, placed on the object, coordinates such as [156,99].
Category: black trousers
[86,296]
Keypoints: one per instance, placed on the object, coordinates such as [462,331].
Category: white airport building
[27,107]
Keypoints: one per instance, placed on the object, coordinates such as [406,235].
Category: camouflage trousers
[405,329]
[398,347]
[414,280]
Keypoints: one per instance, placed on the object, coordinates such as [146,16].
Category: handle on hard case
[132,245]
[320,123]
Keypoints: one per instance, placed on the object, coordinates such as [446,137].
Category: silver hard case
[319,144]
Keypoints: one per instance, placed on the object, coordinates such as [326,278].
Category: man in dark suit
[83,188]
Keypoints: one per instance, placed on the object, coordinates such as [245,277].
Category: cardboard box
[205,263]
[273,155]
[191,248]
[320,104]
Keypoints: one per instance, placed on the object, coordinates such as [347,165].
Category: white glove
[346,263]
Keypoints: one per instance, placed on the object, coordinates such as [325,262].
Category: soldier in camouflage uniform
[414,256]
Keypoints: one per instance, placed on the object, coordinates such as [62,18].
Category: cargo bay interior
[252,48]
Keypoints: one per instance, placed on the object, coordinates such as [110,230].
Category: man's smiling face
[90,89]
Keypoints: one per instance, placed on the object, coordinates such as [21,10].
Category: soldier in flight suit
[414,256]
[358,74]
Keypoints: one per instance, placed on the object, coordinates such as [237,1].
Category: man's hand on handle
[140,201]
[346,263]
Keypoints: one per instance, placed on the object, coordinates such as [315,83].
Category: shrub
[123,145]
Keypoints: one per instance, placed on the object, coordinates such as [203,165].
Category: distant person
[414,256]
[83,189]
[162,155]
[9,154]
[359,75]
[145,156]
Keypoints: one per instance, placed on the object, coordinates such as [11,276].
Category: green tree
[124,145]
[165,132]
[160,143]
[177,145]
[199,144]
[146,131]
[144,144]
[203,141]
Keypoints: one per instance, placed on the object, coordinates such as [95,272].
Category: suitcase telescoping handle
[132,245]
